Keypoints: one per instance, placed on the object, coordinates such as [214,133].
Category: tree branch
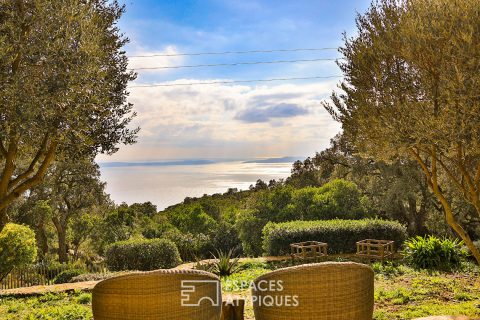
[453,178]
[9,165]
[416,155]
[31,167]
[33,181]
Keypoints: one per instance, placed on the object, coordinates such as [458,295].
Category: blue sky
[233,120]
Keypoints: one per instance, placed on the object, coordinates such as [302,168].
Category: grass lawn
[400,293]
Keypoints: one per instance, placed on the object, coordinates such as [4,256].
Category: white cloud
[141,58]
[202,121]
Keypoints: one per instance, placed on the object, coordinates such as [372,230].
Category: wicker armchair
[323,291]
[158,295]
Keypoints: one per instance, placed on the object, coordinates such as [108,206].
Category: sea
[165,183]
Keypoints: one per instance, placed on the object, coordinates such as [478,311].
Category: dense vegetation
[334,184]
[370,171]
[407,95]
[340,235]
[17,248]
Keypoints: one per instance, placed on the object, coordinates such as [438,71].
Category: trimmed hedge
[67,276]
[142,255]
[341,235]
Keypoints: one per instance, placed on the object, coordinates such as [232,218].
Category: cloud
[282,110]
[143,58]
[202,121]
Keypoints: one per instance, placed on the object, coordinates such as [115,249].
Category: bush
[431,252]
[142,255]
[84,298]
[17,247]
[225,238]
[341,235]
[91,277]
[67,276]
[190,246]
[250,233]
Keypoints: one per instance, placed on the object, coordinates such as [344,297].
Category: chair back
[160,294]
[319,291]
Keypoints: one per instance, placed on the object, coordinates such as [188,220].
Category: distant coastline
[190,162]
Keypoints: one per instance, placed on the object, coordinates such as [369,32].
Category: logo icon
[189,287]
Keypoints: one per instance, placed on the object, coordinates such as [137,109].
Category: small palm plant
[225,264]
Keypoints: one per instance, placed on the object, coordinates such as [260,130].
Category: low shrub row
[67,276]
[341,235]
[142,255]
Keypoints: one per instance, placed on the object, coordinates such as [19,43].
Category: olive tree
[411,89]
[63,87]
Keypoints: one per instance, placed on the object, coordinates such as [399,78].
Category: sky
[241,120]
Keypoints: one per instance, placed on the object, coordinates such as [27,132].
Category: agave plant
[224,264]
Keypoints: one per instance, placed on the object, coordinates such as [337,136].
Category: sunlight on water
[167,185]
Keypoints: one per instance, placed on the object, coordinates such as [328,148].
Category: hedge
[142,255]
[67,276]
[341,235]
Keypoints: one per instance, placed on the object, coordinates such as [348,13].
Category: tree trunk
[3,218]
[432,180]
[42,240]
[62,246]
[419,217]
[456,227]
[62,240]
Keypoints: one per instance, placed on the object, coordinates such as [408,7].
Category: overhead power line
[235,64]
[228,52]
[233,81]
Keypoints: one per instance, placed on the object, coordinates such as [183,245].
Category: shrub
[67,276]
[250,233]
[91,277]
[142,255]
[341,235]
[84,298]
[17,247]
[431,252]
[190,245]
[225,238]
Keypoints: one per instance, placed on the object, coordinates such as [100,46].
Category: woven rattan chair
[160,294]
[323,291]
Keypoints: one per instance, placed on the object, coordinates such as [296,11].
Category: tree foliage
[63,87]
[17,248]
[411,90]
